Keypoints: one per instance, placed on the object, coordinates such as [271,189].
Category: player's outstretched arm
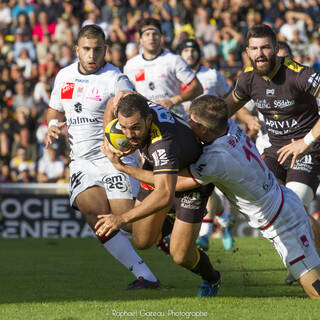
[297,147]
[160,198]
[233,103]
[55,125]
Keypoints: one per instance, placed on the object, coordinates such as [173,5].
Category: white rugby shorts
[87,173]
[291,235]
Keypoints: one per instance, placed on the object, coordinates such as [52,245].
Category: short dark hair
[262,31]
[211,111]
[149,22]
[284,45]
[133,103]
[91,31]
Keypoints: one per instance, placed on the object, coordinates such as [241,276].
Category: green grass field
[75,279]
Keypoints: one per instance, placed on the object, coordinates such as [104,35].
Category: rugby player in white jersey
[214,83]
[231,161]
[158,74]
[80,95]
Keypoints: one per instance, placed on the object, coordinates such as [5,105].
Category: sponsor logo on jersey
[304,163]
[82,120]
[314,79]
[262,104]
[67,90]
[116,182]
[191,201]
[82,80]
[160,157]
[78,107]
[270,92]
[140,76]
[94,95]
[152,85]
[285,124]
[304,241]
[284,103]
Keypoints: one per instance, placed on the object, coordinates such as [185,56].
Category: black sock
[205,269]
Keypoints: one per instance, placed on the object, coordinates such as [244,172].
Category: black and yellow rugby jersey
[287,100]
[172,145]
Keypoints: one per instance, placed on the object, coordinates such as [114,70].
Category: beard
[267,68]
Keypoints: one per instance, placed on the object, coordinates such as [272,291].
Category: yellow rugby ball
[116,137]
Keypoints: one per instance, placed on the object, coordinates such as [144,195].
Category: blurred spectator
[271,11]
[6,135]
[184,9]
[23,7]
[228,39]
[160,10]
[5,15]
[63,31]
[52,7]
[25,63]
[51,168]
[6,52]
[203,28]
[296,20]
[116,33]
[134,14]
[22,100]
[22,169]
[42,27]
[313,10]
[22,23]
[25,142]
[49,67]
[93,17]
[41,94]
[209,50]
[22,42]
[298,46]
[112,9]
[6,86]
[67,56]
[231,67]
[45,47]
[117,56]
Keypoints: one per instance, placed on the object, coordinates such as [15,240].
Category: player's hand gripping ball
[116,137]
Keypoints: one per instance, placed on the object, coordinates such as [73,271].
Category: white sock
[223,218]
[206,227]
[120,248]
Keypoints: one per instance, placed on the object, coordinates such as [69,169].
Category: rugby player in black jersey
[168,145]
[285,93]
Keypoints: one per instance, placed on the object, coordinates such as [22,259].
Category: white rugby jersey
[233,164]
[160,78]
[83,98]
[213,82]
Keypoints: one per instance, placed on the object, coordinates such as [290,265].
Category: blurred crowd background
[37,39]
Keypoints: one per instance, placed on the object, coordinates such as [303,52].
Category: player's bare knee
[142,243]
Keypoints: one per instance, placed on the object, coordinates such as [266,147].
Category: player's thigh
[145,232]
[93,201]
[183,242]
[310,282]
[270,157]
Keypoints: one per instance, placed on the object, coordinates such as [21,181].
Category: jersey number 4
[250,154]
